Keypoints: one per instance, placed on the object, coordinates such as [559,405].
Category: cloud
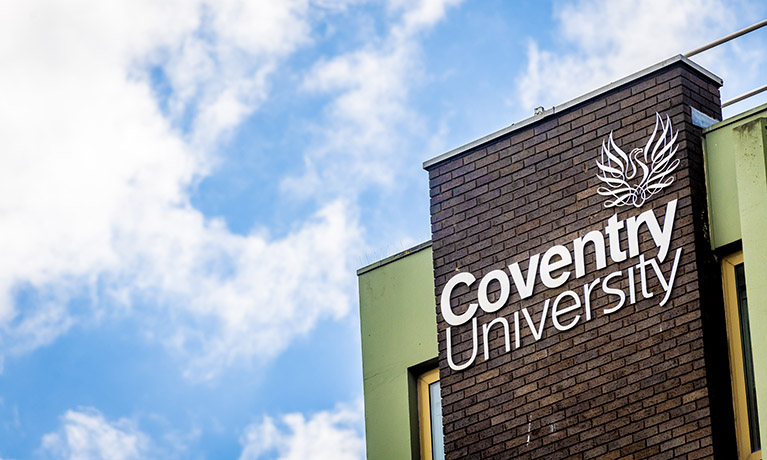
[256,294]
[99,161]
[599,41]
[221,70]
[115,112]
[362,143]
[329,435]
[86,435]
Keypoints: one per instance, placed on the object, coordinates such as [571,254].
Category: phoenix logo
[631,179]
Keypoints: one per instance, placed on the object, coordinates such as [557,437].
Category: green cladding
[399,332]
[736,168]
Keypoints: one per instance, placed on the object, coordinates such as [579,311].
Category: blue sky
[187,189]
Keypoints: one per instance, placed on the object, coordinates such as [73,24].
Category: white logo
[656,162]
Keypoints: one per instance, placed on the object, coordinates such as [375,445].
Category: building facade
[587,293]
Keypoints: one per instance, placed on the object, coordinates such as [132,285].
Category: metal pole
[737,34]
[744,96]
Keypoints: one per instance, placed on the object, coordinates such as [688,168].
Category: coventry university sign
[629,180]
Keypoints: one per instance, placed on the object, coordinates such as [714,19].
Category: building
[594,287]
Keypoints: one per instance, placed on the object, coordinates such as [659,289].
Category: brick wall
[643,382]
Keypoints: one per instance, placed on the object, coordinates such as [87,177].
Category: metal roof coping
[387,260]
[567,105]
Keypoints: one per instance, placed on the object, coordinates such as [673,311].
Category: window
[741,363]
[430,416]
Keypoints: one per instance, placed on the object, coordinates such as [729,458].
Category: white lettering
[555,312]
[547,266]
[643,275]
[667,285]
[613,232]
[468,363]
[587,288]
[537,333]
[662,238]
[525,289]
[608,290]
[503,280]
[486,332]
[444,304]
[551,269]
[579,245]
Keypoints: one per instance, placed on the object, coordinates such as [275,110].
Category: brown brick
[631,384]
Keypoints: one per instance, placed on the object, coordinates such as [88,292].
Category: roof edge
[736,118]
[567,105]
[390,259]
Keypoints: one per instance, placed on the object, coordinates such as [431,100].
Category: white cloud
[599,41]
[256,294]
[362,141]
[329,435]
[98,164]
[96,178]
[222,69]
[86,435]
[422,14]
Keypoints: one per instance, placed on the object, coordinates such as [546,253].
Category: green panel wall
[723,146]
[399,331]
[736,160]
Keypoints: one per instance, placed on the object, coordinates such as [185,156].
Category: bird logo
[631,179]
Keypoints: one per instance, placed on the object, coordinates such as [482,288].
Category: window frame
[424,412]
[737,372]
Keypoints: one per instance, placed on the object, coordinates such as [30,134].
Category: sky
[188,187]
